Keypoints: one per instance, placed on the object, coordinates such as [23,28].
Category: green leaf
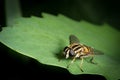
[44,39]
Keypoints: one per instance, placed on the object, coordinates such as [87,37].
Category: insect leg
[81,64]
[91,60]
[71,62]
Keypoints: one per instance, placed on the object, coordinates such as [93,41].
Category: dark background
[19,67]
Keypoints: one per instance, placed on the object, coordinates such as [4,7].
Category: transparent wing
[97,52]
[73,39]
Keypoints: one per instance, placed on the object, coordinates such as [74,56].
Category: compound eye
[71,52]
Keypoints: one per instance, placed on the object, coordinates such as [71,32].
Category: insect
[78,50]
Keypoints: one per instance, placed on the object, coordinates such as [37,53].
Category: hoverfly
[78,50]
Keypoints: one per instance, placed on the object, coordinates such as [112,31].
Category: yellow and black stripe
[75,48]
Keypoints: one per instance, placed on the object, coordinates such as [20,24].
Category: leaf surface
[44,39]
